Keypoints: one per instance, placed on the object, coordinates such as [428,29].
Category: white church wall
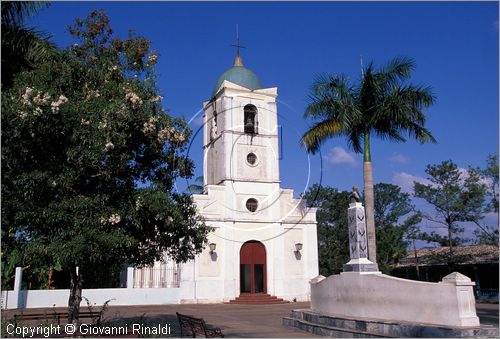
[277,271]
[310,250]
[294,265]
[117,296]
[210,263]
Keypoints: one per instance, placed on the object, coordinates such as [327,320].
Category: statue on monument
[355,195]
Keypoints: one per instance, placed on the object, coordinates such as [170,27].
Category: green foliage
[394,216]
[391,207]
[333,234]
[457,197]
[488,234]
[23,47]
[390,204]
[197,186]
[89,159]
[491,175]
[15,13]
[381,104]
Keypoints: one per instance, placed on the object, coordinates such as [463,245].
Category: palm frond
[327,93]
[14,13]
[316,135]
[380,104]
[420,133]
[355,140]
[26,43]
[397,69]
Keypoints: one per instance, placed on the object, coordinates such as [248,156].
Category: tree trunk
[370,215]
[75,294]
[49,283]
[369,200]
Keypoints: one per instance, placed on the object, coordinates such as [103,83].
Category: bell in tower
[250,114]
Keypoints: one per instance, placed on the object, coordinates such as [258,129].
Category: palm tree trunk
[369,200]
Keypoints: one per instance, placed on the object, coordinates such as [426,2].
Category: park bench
[191,326]
[56,316]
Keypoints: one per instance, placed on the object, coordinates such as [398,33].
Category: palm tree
[197,186]
[22,47]
[381,105]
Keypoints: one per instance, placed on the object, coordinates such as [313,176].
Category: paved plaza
[237,321]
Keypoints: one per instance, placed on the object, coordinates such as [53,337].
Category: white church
[264,240]
[264,245]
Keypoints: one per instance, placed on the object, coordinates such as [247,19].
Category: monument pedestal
[358,247]
[362,265]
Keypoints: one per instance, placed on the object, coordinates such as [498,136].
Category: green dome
[239,75]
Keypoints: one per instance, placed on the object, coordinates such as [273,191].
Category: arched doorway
[253,273]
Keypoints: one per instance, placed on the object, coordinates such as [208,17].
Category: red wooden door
[253,274]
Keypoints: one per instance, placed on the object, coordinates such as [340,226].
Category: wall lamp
[212,248]
[298,247]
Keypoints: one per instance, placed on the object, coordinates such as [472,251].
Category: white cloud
[338,155]
[406,181]
[464,174]
[399,158]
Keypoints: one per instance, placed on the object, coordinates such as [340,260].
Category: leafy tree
[381,104]
[488,234]
[89,160]
[22,47]
[491,174]
[457,197]
[333,234]
[395,220]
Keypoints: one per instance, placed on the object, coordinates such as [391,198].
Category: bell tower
[241,134]
[257,225]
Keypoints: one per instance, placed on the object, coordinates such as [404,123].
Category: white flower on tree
[152,58]
[150,126]
[109,146]
[55,104]
[133,98]
[114,219]
[25,98]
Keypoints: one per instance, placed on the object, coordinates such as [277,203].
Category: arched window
[250,119]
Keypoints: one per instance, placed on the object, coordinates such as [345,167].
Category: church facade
[264,241]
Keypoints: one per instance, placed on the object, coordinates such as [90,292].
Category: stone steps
[335,326]
[328,331]
[257,298]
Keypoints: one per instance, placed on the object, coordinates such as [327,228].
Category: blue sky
[455,46]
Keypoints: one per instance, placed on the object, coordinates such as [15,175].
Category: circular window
[251,158]
[252,205]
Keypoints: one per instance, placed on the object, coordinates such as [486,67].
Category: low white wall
[382,297]
[120,296]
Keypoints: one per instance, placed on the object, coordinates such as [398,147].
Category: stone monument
[358,248]
[361,301]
